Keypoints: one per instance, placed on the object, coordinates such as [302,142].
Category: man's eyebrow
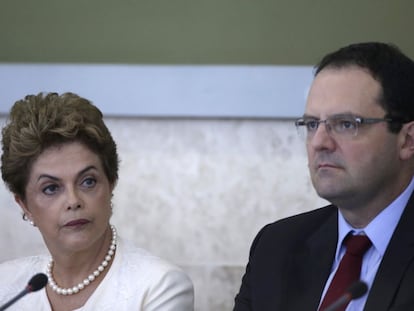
[336,115]
[343,115]
[307,116]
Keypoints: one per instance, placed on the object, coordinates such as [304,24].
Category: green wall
[195,31]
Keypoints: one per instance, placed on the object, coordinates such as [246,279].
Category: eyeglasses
[342,125]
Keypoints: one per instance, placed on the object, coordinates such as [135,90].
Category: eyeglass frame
[302,122]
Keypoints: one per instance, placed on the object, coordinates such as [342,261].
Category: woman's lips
[76,222]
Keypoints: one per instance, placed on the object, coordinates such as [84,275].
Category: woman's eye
[50,189]
[89,182]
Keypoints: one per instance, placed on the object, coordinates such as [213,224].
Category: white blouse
[136,280]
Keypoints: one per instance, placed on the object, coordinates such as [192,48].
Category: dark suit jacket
[290,261]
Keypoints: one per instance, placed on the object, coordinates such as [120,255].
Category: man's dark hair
[390,67]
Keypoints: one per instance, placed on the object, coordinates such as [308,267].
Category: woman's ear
[407,136]
[23,206]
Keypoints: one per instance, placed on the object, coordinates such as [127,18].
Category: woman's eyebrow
[90,167]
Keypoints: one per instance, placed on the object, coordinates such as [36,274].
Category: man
[359,129]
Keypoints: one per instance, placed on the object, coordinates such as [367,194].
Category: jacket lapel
[399,254]
[311,265]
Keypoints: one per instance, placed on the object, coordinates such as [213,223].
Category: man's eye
[312,125]
[346,124]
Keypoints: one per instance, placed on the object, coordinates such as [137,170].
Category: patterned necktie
[349,269]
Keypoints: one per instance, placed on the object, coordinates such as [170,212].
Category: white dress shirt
[379,231]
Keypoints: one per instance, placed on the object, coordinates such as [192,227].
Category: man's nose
[322,137]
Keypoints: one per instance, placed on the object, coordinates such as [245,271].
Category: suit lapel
[399,254]
[311,265]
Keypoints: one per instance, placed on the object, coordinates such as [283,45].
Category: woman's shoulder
[142,259]
[139,278]
[152,270]
[16,273]
[23,265]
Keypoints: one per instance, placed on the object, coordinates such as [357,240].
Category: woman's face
[68,197]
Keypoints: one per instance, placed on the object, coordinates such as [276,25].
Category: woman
[61,163]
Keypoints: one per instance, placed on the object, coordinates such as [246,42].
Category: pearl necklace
[91,277]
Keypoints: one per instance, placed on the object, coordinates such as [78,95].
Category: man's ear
[23,206]
[407,138]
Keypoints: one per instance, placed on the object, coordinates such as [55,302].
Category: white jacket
[136,280]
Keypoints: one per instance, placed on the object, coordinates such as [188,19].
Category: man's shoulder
[320,214]
[299,226]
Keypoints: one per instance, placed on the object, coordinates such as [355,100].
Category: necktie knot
[357,245]
[348,271]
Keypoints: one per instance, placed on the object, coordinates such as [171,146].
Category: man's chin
[329,193]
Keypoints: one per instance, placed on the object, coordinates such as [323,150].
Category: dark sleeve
[243,298]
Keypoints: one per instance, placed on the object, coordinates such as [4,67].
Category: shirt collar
[381,228]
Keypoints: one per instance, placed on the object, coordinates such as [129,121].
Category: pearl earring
[25,218]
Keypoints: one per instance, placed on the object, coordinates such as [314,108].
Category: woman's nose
[73,200]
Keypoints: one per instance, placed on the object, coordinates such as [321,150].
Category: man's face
[350,170]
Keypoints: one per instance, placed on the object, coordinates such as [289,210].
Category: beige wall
[195,192]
